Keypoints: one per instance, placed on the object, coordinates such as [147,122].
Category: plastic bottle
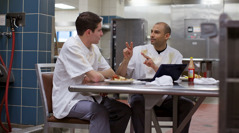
[191,70]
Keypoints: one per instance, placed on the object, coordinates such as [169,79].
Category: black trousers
[137,104]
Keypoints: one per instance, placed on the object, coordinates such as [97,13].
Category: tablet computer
[173,70]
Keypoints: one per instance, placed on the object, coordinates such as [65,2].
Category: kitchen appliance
[126,30]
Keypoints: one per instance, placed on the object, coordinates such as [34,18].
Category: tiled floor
[205,120]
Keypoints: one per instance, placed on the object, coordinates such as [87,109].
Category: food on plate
[195,76]
[120,78]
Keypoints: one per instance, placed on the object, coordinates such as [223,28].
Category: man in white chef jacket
[79,62]
[142,62]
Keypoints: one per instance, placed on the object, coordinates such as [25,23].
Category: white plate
[118,82]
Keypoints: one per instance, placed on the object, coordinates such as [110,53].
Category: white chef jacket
[73,62]
[137,70]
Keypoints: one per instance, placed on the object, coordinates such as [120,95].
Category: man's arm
[127,52]
[97,76]
[107,73]
[93,76]
[122,69]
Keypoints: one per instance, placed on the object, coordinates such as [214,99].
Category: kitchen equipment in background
[126,30]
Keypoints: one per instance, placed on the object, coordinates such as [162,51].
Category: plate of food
[184,77]
[116,79]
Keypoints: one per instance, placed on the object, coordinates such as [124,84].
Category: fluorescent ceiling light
[64,6]
[211,2]
[139,2]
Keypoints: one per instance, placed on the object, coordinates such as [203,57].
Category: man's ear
[88,32]
[167,35]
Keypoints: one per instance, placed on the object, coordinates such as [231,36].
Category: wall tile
[18,78]
[3,6]
[15,6]
[17,59]
[3,28]
[16,56]
[49,59]
[105,19]
[42,57]
[31,6]
[2,91]
[31,23]
[43,23]
[30,41]
[29,97]
[39,14]
[4,43]
[40,116]
[39,104]
[49,24]
[3,114]
[42,42]
[51,9]
[4,56]
[29,79]
[15,114]
[48,44]
[18,41]
[43,6]
[29,59]
[14,96]
[105,10]
[29,115]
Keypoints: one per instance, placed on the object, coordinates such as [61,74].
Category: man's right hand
[128,51]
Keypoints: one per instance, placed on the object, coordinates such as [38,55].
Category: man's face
[97,34]
[158,37]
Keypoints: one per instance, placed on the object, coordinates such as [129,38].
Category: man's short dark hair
[167,28]
[86,20]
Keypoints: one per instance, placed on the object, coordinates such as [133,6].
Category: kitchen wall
[33,45]
[107,9]
[177,16]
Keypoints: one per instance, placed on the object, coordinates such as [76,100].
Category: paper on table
[205,81]
[162,81]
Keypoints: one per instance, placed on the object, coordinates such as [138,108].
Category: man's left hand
[149,62]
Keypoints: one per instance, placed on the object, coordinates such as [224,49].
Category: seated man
[143,62]
[79,62]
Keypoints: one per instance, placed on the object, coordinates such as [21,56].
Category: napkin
[205,81]
[162,81]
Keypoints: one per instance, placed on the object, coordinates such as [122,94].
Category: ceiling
[75,3]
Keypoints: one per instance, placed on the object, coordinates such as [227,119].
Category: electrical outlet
[2,19]
[20,18]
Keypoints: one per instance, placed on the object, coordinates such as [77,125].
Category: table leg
[175,113]
[150,102]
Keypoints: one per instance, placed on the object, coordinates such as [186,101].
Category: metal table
[152,93]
